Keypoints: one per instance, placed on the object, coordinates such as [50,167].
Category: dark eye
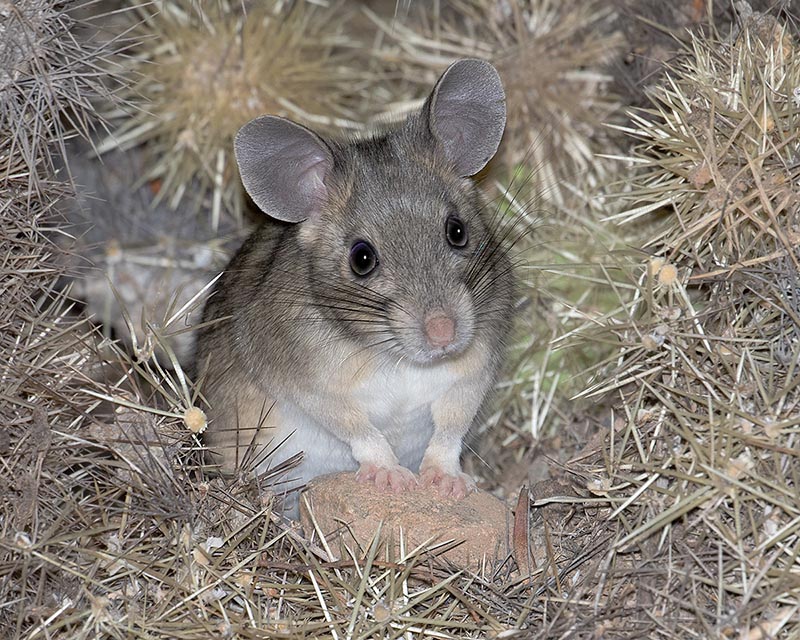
[456,232]
[363,258]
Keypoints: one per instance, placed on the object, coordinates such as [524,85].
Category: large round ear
[283,167]
[466,114]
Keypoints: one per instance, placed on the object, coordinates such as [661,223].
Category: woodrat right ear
[466,113]
[283,167]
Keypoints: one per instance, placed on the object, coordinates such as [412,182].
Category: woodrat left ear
[466,113]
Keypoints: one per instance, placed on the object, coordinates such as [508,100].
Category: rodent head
[401,252]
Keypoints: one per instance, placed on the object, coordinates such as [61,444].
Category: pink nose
[440,330]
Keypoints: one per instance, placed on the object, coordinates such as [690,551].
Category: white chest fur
[397,400]
[393,392]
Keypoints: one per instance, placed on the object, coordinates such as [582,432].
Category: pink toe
[366,473]
[396,478]
[459,489]
[447,486]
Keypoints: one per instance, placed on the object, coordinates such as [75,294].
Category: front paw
[396,478]
[447,485]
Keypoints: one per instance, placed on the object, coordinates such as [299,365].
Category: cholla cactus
[552,57]
[720,150]
[48,77]
[703,461]
[48,80]
[204,70]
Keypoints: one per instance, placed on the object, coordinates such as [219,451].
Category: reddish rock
[345,509]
